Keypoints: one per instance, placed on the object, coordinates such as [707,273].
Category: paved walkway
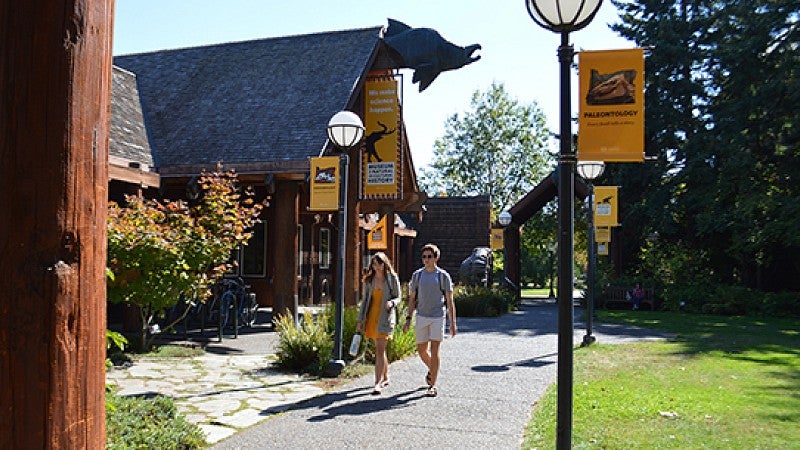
[493,372]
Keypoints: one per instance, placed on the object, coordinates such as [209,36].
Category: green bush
[135,422]
[781,304]
[348,326]
[479,301]
[401,345]
[709,298]
[306,347]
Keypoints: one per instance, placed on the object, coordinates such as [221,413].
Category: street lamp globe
[590,170]
[562,16]
[504,218]
[345,129]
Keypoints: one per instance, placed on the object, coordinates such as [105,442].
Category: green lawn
[537,292]
[722,383]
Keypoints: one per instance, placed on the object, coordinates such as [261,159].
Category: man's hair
[433,248]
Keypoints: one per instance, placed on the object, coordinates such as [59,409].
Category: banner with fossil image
[611,112]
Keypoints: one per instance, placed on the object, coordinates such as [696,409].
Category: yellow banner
[324,184]
[606,206]
[377,237]
[602,248]
[602,234]
[381,178]
[611,111]
[496,239]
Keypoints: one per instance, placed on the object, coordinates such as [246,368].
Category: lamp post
[564,16]
[590,170]
[504,219]
[552,247]
[345,131]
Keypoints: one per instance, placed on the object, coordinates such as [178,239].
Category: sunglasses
[427,256]
[377,261]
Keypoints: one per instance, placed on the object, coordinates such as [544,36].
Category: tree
[498,148]
[161,252]
[722,89]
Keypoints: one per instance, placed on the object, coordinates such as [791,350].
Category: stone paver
[223,394]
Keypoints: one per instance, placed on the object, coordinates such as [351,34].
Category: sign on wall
[611,111]
[382,155]
[377,237]
[324,184]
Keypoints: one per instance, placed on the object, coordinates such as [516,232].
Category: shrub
[135,422]
[305,347]
[348,325]
[115,346]
[160,252]
[479,301]
[781,304]
[401,345]
[709,298]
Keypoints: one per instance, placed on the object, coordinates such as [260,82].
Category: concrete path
[493,372]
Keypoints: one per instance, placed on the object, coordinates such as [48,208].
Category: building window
[324,248]
[253,262]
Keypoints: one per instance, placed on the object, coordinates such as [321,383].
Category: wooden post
[55,87]
[284,277]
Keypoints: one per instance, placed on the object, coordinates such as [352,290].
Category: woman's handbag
[355,344]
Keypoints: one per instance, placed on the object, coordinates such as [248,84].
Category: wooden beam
[55,87]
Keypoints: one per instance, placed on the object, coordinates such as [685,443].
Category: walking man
[431,295]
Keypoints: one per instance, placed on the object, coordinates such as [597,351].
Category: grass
[721,383]
[535,292]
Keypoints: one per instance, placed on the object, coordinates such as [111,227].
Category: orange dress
[374,313]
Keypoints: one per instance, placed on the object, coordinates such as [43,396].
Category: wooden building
[261,108]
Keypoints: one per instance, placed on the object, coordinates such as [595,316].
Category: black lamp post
[552,247]
[504,218]
[590,170]
[345,131]
[564,16]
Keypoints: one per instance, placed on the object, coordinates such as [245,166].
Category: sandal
[428,380]
[377,389]
[431,392]
[385,383]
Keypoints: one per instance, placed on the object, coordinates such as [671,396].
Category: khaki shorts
[429,329]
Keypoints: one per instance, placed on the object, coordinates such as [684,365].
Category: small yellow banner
[324,184]
[602,234]
[602,248]
[377,237]
[605,206]
[381,140]
[496,239]
[611,107]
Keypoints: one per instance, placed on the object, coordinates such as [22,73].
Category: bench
[616,296]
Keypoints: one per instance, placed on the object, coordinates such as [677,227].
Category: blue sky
[516,51]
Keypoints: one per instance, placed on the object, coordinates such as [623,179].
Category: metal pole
[552,275]
[588,339]
[336,365]
[566,168]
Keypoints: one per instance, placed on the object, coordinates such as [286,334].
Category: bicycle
[230,298]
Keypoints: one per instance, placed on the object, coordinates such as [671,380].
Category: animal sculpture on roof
[426,51]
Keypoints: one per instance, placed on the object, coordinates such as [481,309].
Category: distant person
[637,295]
[431,295]
[376,316]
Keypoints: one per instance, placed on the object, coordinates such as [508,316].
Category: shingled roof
[246,102]
[128,139]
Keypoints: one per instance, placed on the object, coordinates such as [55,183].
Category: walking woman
[376,316]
